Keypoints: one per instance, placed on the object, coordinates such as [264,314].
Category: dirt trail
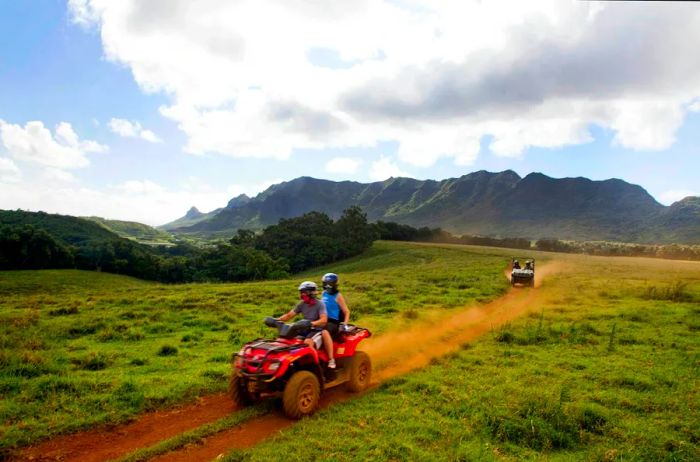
[399,352]
[392,354]
[247,435]
[110,443]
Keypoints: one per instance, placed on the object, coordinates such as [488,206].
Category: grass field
[79,349]
[604,368]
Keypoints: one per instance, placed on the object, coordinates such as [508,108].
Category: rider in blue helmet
[336,308]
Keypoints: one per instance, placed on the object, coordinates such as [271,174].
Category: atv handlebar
[288,330]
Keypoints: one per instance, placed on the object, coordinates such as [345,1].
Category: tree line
[399,232]
[292,245]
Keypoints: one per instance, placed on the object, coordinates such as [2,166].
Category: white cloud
[385,168]
[9,173]
[55,175]
[82,12]
[141,200]
[128,129]
[647,125]
[694,106]
[435,76]
[34,143]
[345,165]
[140,187]
[674,195]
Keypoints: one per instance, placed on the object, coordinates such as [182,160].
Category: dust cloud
[397,353]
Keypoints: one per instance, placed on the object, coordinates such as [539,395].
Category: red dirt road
[110,443]
[247,435]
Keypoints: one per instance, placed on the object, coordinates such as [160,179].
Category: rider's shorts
[315,335]
[332,327]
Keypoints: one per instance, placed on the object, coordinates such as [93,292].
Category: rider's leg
[328,342]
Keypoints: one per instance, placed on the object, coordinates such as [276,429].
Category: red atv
[289,368]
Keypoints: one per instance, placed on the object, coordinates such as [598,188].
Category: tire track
[113,442]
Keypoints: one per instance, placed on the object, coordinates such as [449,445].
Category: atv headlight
[272,366]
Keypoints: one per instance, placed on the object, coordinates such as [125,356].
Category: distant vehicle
[287,367]
[523,273]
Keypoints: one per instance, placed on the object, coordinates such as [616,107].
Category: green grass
[82,349]
[600,370]
[605,367]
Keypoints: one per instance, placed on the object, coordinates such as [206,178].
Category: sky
[139,109]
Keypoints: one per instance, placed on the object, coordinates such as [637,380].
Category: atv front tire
[301,395]
[360,372]
[238,392]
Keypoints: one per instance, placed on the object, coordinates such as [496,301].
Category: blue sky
[162,105]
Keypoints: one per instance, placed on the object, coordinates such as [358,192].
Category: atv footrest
[341,376]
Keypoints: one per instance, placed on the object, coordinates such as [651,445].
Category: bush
[167,350]
[676,292]
[92,362]
[537,424]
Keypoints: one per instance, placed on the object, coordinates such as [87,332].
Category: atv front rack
[261,344]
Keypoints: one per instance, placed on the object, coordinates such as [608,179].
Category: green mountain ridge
[498,204]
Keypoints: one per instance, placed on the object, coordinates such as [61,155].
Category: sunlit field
[604,367]
[79,349]
[602,364]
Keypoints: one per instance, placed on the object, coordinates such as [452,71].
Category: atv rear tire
[238,392]
[301,395]
[360,372]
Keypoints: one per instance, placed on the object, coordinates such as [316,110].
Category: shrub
[167,350]
[592,418]
[64,311]
[215,375]
[676,292]
[504,335]
[537,424]
[92,362]
[410,314]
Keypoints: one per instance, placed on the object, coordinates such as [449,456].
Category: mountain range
[481,203]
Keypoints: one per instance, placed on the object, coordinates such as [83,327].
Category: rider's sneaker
[331,364]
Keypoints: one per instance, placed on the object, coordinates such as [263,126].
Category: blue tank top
[332,307]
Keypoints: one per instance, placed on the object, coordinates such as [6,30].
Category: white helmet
[308,285]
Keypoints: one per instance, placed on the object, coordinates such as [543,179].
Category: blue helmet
[330,277]
[330,282]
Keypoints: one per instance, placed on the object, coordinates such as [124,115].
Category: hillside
[36,240]
[139,232]
[71,230]
[480,203]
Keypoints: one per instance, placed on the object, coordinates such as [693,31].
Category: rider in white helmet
[313,310]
